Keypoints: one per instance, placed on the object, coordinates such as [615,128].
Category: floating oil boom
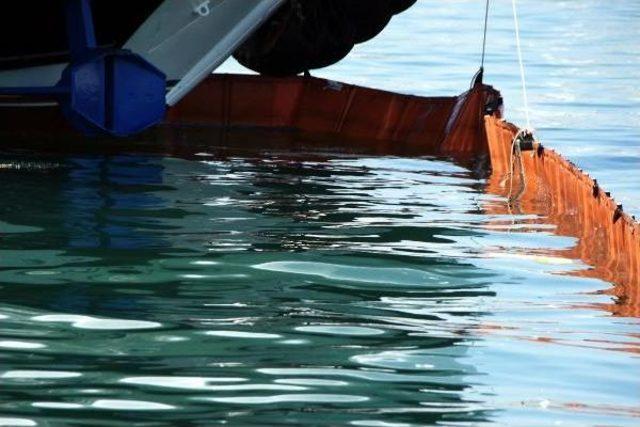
[469,128]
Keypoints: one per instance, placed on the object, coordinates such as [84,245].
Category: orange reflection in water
[555,189]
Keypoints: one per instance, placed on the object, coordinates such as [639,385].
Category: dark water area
[206,284]
[293,288]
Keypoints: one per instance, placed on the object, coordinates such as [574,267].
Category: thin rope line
[521,62]
[516,153]
[484,37]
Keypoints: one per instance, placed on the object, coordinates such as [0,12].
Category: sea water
[270,287]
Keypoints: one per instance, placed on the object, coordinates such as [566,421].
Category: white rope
[521,62]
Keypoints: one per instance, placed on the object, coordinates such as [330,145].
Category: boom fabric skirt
[468,128]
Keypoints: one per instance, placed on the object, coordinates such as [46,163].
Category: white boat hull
[185,39]
[188,40]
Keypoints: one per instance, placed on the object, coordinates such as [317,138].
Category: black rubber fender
[311,34]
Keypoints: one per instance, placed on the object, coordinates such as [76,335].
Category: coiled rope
[516,159]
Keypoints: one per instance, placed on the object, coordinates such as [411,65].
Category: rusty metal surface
[317,106]
[554,188]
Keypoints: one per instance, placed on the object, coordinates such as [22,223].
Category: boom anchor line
[524,139]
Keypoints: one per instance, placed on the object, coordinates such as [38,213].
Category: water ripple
[251,284]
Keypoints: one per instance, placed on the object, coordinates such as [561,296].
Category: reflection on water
[289,290]
[582,67]
[253,289]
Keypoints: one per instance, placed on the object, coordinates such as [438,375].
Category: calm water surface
[278,288]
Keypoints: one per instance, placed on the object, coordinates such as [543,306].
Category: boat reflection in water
[201,287]
[97,190]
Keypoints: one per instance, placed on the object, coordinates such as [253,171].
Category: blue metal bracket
[80,31]
[103,91]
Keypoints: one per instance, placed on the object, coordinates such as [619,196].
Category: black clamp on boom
[525,140]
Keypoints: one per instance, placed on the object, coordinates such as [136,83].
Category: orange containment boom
[468,128]
[383,120]
[608,238]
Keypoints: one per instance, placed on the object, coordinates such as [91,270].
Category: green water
[264,288]
[282,289]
